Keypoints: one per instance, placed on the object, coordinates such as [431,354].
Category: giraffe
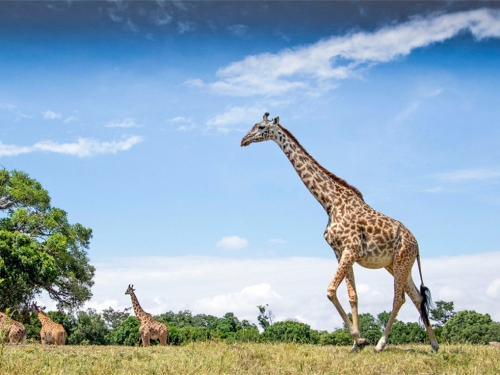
[150,328]
[51,332]
[11,330]
[356,233]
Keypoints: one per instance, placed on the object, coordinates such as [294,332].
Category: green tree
[127,332]
[114,318]
[406,333]
[471,327]
[90,329]
[265,317]
[442,313]
[369,327]
[289,331]
[39,249]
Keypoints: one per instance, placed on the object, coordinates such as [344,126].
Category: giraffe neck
[139,312]
[328,189]
[44,319]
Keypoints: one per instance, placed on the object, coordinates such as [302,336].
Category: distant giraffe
[356,233]
[51,332]
[11,330]
[150,328]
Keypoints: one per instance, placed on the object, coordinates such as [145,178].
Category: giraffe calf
[11,330]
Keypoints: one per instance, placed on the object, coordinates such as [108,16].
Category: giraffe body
[51,332]
[149,328]
[356,233]
[11,330]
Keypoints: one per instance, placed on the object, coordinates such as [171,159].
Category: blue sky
[131,113]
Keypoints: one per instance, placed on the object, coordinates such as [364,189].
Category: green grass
[222,358]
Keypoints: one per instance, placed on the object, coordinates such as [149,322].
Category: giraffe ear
[276,120]
[266,115]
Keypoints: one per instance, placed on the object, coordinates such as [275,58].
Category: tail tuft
[425,304]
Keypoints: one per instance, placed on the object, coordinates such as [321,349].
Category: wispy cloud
[51,115]
[413,107]
[185,26]
[125,123]
[232,243]
[238,30]
[84,147]
[14,110]
[183,123]
[225,122]
[343,57]
[469,175]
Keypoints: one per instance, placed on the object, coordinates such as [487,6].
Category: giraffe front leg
[345,265]
[353,301]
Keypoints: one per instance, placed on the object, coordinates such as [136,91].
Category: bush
[288,331]
[406,333]
[471,327]
[90,329]
[127,333]
[339,338]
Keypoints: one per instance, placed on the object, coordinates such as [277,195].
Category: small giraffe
[150,328]
[11,330]
[356,233]
[51,332]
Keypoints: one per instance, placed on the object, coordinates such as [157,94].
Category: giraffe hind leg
[353,301]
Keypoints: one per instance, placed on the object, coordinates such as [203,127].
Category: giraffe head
[262,131]
[35,308]
[130,289]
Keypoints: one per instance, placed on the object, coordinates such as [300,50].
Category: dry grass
[221,358]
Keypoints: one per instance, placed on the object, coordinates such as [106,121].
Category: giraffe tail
[425,293]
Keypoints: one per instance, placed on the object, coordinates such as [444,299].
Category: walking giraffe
[11,330]
[150,328]
[51,332]
[356,233]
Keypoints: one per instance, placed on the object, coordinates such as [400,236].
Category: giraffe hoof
[359,344]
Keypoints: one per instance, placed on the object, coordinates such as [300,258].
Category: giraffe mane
[334,177]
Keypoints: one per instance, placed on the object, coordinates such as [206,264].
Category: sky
[131,114]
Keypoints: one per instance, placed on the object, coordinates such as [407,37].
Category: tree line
[115,327]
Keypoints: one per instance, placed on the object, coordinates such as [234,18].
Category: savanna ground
[222,358]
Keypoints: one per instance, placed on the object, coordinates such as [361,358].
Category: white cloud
[343,57]
[125,123]
[69,119]
[225,122]
[232,243]
[185,26]
[14,110]
[183,123]
[293,287]
[82,148]
[469,174]
[238,30]
[50,115]
[493,290]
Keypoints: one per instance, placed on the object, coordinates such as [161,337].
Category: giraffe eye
[261,127]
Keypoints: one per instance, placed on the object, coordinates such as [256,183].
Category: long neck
[44,319]
[139,312]
[327,188]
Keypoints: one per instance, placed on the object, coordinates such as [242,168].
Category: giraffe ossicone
[356,232]
[149,328]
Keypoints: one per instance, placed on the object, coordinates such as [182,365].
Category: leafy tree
[265,317]
[114,318]
[383,318]
[90,329]
[406,333]
[471,327]
[442,313]
[288,331]
[127,332]
[338,337]
[39,249]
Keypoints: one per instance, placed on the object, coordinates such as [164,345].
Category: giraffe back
[11,331]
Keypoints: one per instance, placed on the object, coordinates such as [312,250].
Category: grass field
[222,358]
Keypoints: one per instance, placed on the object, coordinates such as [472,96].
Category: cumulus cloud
[50,115]
[82,148]
[293,287]
[227,121]
[342,57]
[232,243]
[125,123]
